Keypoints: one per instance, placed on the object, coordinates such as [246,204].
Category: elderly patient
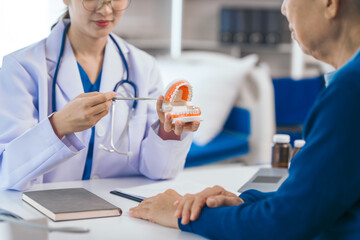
[321,197]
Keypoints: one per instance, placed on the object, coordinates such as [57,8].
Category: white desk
[230,176]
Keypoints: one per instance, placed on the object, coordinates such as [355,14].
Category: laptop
[266,180]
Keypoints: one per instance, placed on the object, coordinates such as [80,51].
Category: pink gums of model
[177,101]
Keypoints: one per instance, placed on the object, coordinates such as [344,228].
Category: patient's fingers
[196,208]
[197,202]
[221,200]
[187,211]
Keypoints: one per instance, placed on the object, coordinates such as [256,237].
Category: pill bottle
[281,151]
[298,144]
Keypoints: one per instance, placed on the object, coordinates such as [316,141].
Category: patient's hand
[190,206]
[159,209]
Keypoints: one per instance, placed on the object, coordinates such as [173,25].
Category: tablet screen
[266,179]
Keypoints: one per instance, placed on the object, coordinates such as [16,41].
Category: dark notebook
[70,204]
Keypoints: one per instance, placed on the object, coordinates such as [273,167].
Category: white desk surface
[229,176]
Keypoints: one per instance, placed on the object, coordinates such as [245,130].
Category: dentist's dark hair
[66,14]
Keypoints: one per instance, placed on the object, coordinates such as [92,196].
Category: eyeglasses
[117,5]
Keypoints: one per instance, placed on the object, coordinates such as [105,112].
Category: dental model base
[177,101]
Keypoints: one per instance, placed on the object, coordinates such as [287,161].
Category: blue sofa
[293,100]
[231,142]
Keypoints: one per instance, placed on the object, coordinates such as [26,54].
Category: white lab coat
[30,152]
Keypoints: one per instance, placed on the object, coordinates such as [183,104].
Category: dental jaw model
[177,101]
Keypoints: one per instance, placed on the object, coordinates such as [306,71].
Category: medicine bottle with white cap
[298,144]
[281,151]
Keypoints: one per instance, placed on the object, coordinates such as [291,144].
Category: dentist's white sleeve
[34,153]
[28,146]
[163,159]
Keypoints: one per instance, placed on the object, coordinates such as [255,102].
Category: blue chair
[231,142]
[293,101]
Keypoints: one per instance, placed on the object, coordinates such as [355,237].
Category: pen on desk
[135,198]
[134,98]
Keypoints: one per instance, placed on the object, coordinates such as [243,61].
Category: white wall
[23,22]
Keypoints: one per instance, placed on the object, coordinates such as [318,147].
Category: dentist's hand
[81,113]
[170,131]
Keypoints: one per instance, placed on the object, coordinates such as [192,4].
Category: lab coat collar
[69,79]
[53,42]
[113,67]
[123,46]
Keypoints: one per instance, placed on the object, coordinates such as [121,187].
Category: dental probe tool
[134,98]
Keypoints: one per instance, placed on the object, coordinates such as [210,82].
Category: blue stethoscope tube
[117,85]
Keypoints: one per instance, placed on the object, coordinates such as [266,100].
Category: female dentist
[55,97]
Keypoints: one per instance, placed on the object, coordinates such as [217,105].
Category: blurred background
[249,78]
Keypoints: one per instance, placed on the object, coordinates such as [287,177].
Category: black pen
[135,198]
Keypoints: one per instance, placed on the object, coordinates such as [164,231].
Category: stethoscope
[117,85]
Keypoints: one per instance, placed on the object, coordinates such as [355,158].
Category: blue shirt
[89,87]
[321,197]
